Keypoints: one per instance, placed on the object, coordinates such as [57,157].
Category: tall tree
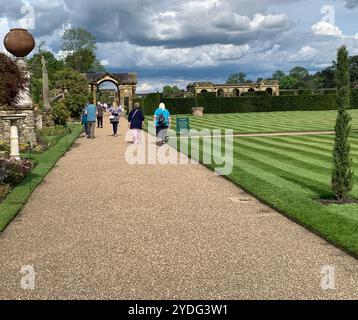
[170,90]
[342,174]
[83,61]
[236,78]
[328,77]
[81,45]
[299,73]
[76,39]
[278,75]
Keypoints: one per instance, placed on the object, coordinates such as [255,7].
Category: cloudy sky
[180,41]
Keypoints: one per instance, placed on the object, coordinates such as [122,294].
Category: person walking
[100,111]
[162,122]
[84,121]
[136,120]
[116,112]
[91,112]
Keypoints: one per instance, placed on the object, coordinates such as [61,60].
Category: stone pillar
[121,96]
[94,91]
[25,105]
[14,141]
[24,99]
[45,88]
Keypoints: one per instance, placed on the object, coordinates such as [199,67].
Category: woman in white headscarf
[162,122]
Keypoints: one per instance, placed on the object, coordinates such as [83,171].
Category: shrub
[12,80]
[60,113]
[16,170]
[76,97]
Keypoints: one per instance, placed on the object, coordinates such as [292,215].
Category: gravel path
[98,228]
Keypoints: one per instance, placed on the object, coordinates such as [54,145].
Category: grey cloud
[173,24]
[10,9]
[50,16]
[351,4]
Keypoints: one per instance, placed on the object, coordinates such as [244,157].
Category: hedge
[248,104]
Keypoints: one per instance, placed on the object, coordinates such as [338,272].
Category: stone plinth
[27,126]
[14,133]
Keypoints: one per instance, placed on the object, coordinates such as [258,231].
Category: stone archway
[108,91]
[124,82]
[221,93]
[269,91]
[236,93]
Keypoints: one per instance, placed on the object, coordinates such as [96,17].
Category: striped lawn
[291,174]
[270,121]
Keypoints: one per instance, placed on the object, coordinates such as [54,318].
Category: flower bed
[48,137]
[16,170]
[12,172]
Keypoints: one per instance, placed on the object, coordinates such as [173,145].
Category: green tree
[76,86]
[288,82]
[171,90]
[83,61]
[342,174]
[75,39]
[299,73]
[81,45]
[278,75]
[236,78]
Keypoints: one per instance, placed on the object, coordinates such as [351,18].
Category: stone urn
[19,42]
[198,111]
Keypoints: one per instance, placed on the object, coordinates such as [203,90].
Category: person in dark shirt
[100,111]
[136,120]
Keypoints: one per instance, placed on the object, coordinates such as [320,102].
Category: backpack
[161,120]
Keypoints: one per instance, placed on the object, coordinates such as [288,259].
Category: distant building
[272,87]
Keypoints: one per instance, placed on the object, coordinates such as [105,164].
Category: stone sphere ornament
[19,42]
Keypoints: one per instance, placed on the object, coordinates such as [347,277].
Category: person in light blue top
[91,112]
[162,122]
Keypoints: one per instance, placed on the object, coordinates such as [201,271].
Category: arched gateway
[125,83]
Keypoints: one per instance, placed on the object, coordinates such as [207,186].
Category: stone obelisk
[47,118]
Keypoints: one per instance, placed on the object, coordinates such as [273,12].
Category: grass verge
[14,202]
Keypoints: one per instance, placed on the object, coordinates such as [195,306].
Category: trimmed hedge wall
[248,104]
